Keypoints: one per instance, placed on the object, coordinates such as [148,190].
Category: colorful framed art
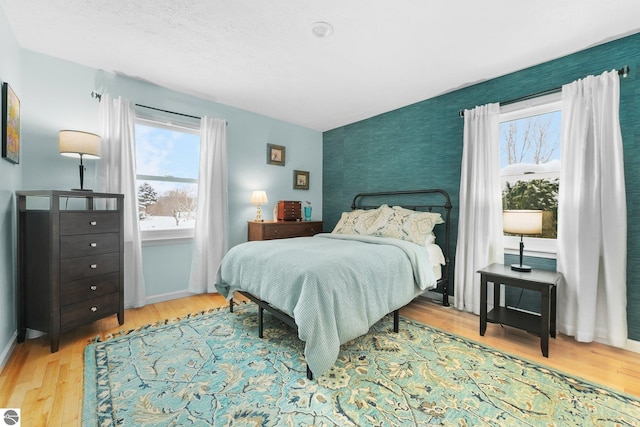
[10,124]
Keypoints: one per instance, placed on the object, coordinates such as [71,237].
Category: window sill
[166,237]
[538,248]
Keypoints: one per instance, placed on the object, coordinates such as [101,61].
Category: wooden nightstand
[542,281]
[269,230]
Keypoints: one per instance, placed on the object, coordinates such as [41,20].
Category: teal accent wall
[10,181]
[420,146]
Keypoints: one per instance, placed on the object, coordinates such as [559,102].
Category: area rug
[212,370]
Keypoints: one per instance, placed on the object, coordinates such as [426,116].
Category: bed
[333,287]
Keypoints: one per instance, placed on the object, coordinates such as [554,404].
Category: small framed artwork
[301,180]
[10,124]
[276,154]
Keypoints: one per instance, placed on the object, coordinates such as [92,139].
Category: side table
[543,281]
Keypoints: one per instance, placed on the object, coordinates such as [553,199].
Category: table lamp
[75,143]
[259,197]
[522,222]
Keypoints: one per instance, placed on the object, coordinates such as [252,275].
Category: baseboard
[436,297]
[167,297]
[8,350]
[633,346]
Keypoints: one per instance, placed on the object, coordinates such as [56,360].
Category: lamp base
[81,189]
[521,267]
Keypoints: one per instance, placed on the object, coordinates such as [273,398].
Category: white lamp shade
[522,221]
[259,197]
[73,143]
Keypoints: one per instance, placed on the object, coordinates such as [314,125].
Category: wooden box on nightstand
[269,230]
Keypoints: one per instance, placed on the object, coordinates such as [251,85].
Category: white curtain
[210,242]
[480,222]
[118,175]
[592,213]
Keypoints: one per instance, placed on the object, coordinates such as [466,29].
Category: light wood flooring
[48,387]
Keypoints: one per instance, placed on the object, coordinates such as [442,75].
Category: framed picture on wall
[276,154]
[301,180]
[10,124]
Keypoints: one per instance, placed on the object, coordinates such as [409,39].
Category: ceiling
[262,56]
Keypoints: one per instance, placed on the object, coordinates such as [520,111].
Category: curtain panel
[118,175]
[592,213]
[210,240]
[480,222]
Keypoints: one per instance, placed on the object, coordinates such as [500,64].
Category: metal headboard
[445,205]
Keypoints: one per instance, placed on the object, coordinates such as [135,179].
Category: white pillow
[405,224]
[356,222]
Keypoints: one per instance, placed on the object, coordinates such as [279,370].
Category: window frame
[533,246]
[166,236]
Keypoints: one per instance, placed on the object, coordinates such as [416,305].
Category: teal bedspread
[334,286]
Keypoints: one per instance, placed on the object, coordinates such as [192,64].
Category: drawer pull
[93,244]
[93,223]
[94,308]
[93,266]
[93,287]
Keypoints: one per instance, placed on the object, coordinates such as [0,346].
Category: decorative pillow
[405,224]
[356,222]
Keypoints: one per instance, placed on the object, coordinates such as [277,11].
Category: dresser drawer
[284,230]
[89,310]
[84,289]
[88,244]
[88,222]
[88,266]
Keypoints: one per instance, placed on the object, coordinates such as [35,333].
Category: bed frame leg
[260,321]
[231,305]
[445,294]
[309,373]
[396,321]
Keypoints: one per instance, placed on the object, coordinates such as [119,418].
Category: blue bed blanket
[334,286]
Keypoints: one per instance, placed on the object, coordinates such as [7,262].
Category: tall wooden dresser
[70,260]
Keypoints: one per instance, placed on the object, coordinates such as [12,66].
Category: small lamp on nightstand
[522,222]
[259,197]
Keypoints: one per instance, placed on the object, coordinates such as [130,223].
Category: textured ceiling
[261,55]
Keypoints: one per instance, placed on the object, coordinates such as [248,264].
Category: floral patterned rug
[211,369]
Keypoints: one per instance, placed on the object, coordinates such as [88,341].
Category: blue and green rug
[212,369]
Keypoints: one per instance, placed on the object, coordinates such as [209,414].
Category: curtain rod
[99,98]
[623,72]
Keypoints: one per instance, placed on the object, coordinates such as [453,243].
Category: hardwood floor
[48,387]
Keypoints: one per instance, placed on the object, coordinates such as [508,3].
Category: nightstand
[269,230]
[542,281]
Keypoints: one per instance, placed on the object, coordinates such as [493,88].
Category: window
[167,161]
[530,166]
